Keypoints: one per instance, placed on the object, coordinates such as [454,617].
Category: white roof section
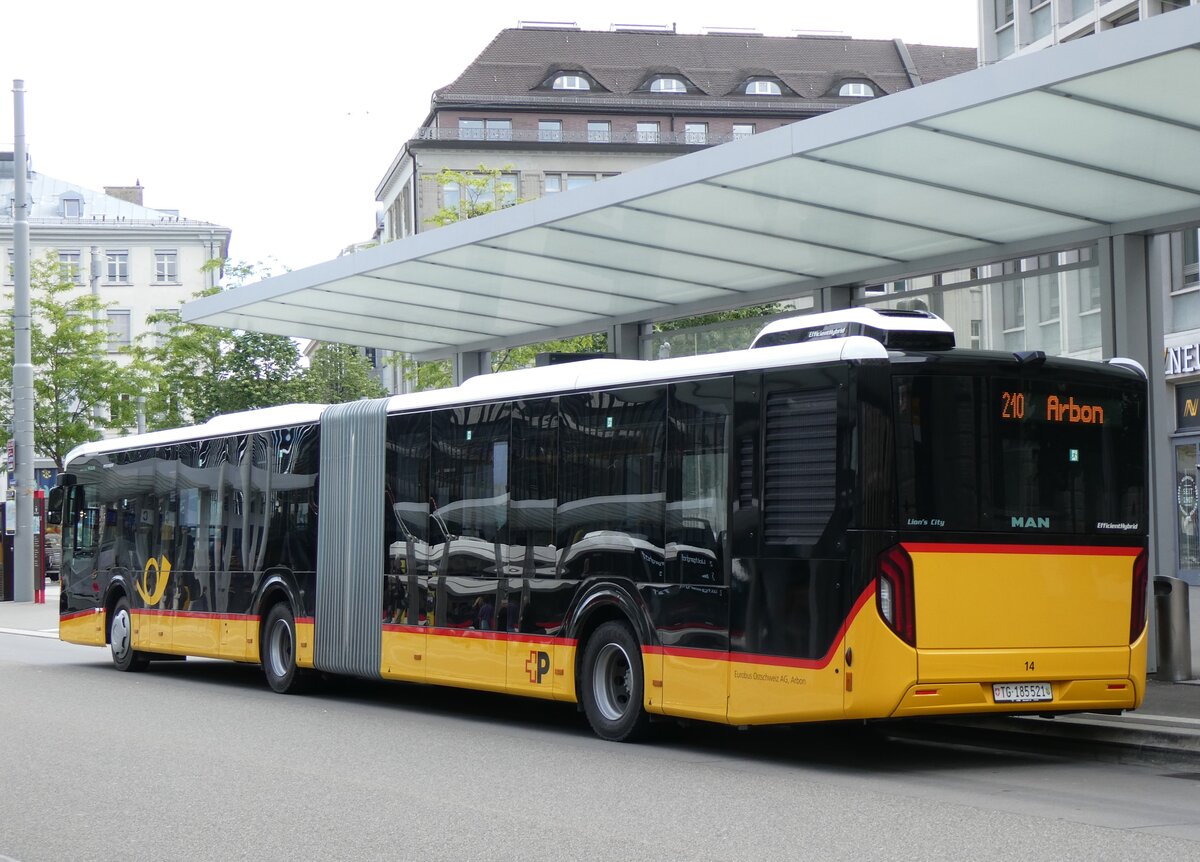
[1078,141]
[48,192]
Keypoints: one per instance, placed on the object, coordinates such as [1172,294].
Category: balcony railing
[535,136]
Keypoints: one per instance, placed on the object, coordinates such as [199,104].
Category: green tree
[423,376]
[190,372]
[473,193]
[525,356]
[339,373]
[715,332]
[75,384]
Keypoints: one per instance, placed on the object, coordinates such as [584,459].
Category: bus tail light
[894,593]
[1137,604]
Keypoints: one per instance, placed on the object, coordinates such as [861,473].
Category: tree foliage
[479,192]
[190,372]
[525,356]
[339,373]
[75,384]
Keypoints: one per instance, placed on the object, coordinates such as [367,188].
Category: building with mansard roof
[559,107]
[147,259]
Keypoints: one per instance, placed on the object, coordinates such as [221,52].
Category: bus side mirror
[54,505]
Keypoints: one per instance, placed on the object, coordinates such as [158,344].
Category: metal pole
[97,408]
[22,394]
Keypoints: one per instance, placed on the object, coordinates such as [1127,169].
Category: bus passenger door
[693,629]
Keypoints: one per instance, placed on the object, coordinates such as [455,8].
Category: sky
[278,120]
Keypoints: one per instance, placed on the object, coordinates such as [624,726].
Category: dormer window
[71,205]
[856,90]
[763,87]
[666,84]
[571,82]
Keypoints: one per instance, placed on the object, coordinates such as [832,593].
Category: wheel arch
[118,588]
[277,586]
[606,602]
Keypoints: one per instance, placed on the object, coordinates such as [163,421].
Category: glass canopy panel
[1086,133]
[622,292]
[777,216]
[641,256]
[370,324]
[987,221]
[695,234]
[413,310]
[1146,86]
[279,319]
[1018,176]
[439,300]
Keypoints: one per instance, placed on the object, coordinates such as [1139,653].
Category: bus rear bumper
[1073,695]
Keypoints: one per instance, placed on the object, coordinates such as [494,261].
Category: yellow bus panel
[403,653]
[85,627]
[976,597]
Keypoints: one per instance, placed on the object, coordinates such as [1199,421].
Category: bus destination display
[1017,405]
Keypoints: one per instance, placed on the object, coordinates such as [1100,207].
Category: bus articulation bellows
[852,519]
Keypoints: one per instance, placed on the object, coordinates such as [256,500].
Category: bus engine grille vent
[800,481]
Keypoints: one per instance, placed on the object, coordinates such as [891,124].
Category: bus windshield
[1020,454]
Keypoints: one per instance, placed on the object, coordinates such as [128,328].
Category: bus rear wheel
[613,684]
[120,639]
[279,651]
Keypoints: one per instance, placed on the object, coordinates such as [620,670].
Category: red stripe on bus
[192,615]
[776,660]
[481,634]
[1048,550]
[77,614]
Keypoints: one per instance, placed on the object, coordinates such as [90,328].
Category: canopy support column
[470,364]
[623,340]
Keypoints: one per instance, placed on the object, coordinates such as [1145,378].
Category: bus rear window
[1019,454]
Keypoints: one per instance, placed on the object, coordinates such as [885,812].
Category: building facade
[1008,28]
[138,259]
[557,107]
[1059,308]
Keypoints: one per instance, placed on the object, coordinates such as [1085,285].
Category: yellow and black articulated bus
[850,520]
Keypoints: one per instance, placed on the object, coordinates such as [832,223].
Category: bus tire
[279,651]
[614,684]
[120,639]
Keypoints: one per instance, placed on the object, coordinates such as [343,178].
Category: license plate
[1021,692]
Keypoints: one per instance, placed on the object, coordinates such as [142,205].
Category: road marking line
[29,633]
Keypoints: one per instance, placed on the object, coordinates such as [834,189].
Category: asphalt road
[198,760]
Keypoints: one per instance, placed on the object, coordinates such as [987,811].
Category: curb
[1147,741]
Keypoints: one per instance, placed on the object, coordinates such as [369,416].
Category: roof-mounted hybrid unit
[893,328]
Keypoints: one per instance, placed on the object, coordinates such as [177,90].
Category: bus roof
[526,382]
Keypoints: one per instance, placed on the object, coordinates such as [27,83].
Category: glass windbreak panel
[1188,524]
[611,495]
[468,478]
[1020,454]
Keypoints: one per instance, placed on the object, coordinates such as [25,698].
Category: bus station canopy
[1088,139]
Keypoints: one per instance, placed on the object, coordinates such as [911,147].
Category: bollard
[1174,629]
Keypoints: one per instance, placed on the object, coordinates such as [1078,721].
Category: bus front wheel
[120,639]
[279,651]
[614,684]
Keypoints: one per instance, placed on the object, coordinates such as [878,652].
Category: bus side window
[698,429]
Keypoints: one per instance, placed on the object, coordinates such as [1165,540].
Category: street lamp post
[22,392]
